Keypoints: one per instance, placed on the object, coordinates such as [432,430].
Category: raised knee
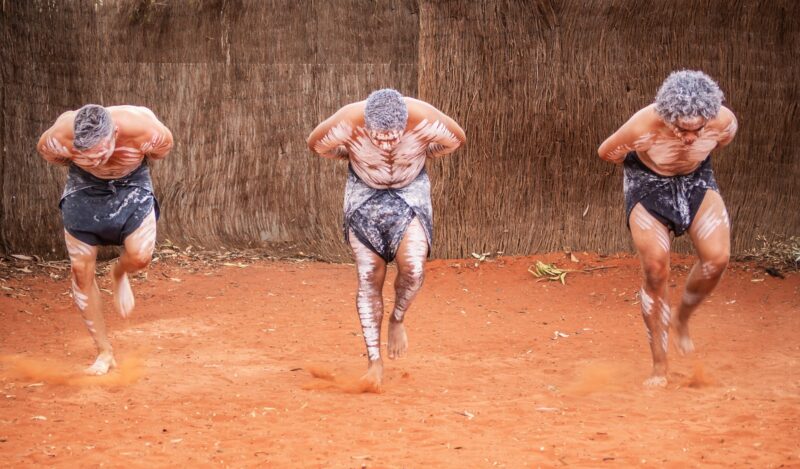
[140,261]
[715,265]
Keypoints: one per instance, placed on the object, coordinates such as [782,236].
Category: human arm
[729,126]
[55,144]
[442,134]
[155,139]
[634,135]
[329,139]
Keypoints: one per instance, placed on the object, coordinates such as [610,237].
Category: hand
[56,152]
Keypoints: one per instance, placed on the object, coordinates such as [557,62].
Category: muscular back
[139,134]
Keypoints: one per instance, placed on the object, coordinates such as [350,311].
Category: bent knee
[713,266]
[656,271]
[140,261]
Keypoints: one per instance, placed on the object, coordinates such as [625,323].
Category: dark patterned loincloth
[379,217]
[105,211]
[673,200]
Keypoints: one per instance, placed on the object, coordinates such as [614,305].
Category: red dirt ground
[216,369]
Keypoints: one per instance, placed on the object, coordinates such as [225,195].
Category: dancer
[108,200]
[669,186]
[387,202]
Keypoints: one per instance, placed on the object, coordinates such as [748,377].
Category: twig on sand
[551,272]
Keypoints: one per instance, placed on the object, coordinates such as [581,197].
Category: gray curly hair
[92,124]
[386,110]
[687,94]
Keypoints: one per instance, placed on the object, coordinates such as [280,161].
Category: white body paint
[412,273]
[711,220]
[378,165]
[641,144]
[646,222]
[77,249]
[708,270]
[647,302]
[332,144]
[157,144]
[143,240]
[672,156]
[366,297]
[81,299]
[666,317]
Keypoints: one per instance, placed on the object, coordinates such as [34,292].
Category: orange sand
[216,368]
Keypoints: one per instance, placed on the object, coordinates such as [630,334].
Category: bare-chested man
[108,200]
[387,202]
[669,186]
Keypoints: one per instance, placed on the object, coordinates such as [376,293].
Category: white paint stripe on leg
[647,302]
[662,237]
[81,299]
[642,218]
[704,221]
[416,249]
[77,248]
[708,269]
[366,298]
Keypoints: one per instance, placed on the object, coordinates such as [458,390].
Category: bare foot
[683,342]
[655,382]
[123,295]
[102,364]
[397,344]
[374,376]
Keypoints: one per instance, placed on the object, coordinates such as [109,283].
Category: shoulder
[66,119]
[644,121]
[418,106]
[134,120]
[353,112]
[128,112]
[64,126]
[648,117]
[724,118]
[419,110]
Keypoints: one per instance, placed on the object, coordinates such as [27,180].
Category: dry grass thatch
[540,84]
[537,85]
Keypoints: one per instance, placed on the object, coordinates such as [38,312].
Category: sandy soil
[216,369]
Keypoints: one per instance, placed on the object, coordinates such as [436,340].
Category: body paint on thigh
[710,221]
[646,222]
[144,237]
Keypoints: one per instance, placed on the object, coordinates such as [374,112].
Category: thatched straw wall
[540,84]
[536,84]
[240,84]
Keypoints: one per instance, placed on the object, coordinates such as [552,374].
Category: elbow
[311,144]
[605,154]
